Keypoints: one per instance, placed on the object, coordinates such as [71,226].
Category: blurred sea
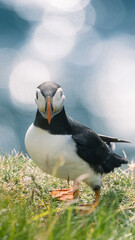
[88,47]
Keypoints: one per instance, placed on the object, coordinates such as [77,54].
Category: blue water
[87,50]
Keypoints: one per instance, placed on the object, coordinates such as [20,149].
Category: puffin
[67,149]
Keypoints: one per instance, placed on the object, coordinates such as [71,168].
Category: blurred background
[88,47]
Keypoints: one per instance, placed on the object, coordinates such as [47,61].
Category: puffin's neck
[59,123]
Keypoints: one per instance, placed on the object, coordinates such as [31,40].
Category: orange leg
[76,191]
[97,198]
[88,208]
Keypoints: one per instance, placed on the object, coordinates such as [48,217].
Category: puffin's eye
[37,95]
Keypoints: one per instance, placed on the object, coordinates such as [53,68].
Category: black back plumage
[89,146]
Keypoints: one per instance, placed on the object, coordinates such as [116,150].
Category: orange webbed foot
[64,194]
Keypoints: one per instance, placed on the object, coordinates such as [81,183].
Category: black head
[48,88]
[49,99]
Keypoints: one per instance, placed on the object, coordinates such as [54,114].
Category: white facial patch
[40,100]
[58,100]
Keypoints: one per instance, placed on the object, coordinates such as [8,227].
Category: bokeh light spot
[25,78]
[49,47]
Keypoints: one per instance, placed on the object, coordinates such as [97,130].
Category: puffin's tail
[108,139]
[113,161]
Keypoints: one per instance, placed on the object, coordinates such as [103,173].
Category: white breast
[56,155]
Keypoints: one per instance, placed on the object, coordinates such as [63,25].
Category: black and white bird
[65,148]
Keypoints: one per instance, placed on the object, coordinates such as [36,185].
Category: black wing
[92,149]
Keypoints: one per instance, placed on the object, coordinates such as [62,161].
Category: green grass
[28,212]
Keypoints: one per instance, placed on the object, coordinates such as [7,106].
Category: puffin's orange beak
[49,108]
[49,111]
